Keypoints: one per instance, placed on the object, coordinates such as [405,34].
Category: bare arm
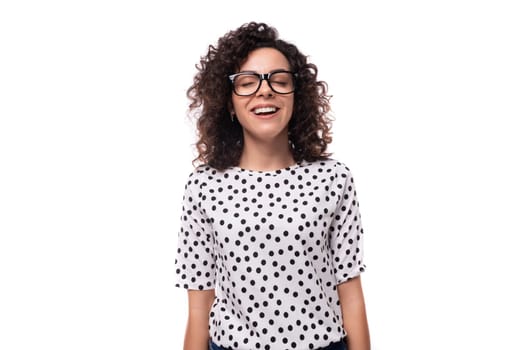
[199,305]
[353,309]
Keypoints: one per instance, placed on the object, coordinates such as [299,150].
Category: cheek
[237,103]
[290,105]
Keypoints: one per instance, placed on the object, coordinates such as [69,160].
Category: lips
[264,111]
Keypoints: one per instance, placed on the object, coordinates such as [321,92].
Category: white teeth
[265,110]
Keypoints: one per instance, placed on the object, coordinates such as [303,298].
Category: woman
[270,246]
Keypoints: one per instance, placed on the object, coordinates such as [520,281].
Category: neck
[266,155]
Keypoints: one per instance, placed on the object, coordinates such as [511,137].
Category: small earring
[232,115]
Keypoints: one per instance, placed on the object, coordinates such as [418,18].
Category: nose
[265,89]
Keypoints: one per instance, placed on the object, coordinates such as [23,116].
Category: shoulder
[200,176]
[333,166]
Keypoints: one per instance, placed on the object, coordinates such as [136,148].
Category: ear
[231,110]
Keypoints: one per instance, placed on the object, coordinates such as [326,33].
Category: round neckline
[268,172]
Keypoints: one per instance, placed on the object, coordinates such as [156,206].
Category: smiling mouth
[263,111]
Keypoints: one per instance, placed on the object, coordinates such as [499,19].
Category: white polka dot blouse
[274,245]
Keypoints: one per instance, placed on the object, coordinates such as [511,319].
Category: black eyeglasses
[248,83]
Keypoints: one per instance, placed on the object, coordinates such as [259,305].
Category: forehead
[264,60]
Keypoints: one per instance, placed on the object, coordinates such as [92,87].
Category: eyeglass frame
[263,76]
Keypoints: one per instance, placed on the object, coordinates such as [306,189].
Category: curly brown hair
[220,141]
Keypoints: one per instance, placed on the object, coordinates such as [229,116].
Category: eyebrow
[272,71]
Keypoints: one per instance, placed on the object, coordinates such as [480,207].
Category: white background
[95,147]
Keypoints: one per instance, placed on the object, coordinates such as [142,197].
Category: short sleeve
[346,236]
[195,258]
